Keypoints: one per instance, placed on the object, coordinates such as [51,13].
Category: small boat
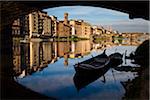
[90,70]
[94,63]
[116,59]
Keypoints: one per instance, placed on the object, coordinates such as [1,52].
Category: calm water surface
[47,68]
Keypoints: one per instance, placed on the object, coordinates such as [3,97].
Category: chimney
[66,18]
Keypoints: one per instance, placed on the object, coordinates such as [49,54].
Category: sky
[102,17]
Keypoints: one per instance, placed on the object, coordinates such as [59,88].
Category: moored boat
[90,70]
[94,63]
[116,59]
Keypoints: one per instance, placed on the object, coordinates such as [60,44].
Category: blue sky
[102,17]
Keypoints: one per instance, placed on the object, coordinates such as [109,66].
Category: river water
[48,68]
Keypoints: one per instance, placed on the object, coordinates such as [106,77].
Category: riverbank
[63,39]
[58,39]
[138,88]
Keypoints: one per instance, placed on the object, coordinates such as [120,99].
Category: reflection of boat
[127,68]
[127,84]
[82,79]
[94,63]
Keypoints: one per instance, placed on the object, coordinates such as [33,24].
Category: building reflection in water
[21,59]
[34,56]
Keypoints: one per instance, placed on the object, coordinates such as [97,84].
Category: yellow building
[80,28]
[86,30]
[33,24]
[44,23]
[39,24]
[54,25]
[76,27]
[97,30]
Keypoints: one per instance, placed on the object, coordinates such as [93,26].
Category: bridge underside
[11,10]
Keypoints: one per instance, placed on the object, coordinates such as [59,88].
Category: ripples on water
[47,68]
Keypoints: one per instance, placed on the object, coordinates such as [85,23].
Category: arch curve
[135,9]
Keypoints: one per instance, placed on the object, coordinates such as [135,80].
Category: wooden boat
[94,63]
[91,69]
[116,59]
